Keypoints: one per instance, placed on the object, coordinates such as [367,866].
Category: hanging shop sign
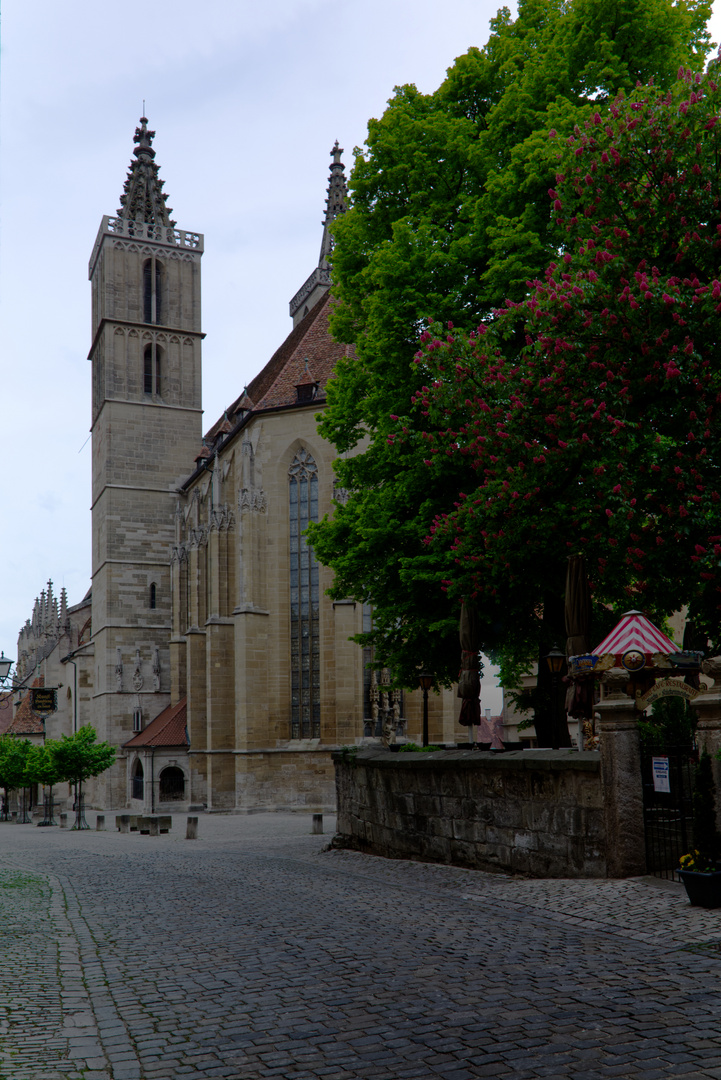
[43,700]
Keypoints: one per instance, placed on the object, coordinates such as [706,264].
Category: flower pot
[702,889]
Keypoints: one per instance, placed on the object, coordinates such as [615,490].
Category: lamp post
[426,682]
[555,660]
[5,665]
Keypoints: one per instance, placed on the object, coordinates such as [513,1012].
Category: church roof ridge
[143,198]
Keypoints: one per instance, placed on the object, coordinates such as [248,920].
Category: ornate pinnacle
[335,204]
[143,198]
[144,139]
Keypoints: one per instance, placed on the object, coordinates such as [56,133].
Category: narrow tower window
[148,291]
[152,594]
[152,291]
[304,601]
[152,357]
[148,369]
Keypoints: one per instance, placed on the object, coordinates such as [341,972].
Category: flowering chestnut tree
[449,215]
[589,415]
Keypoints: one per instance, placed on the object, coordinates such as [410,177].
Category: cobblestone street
[254,953]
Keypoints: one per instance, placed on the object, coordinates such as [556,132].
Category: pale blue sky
[247,100]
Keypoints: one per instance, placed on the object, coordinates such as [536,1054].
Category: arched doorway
[172,784]
[138,780]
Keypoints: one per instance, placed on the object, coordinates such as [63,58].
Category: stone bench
[147,822]
[130,819]
[144,823]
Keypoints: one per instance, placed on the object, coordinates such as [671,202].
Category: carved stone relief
[137,673]
[253,501]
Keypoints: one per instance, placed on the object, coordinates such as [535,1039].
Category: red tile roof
[6,712]
[26,722]
[169,728]
[277,384]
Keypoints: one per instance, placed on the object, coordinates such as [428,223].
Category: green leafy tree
[590,415]
[672,723]
[78,757]
[41,766]
[450,215]
[14,754]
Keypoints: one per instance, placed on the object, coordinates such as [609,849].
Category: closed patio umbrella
[579,701]
[469,678]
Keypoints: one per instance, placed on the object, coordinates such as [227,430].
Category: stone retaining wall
[537,812]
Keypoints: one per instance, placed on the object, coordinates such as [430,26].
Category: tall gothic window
[304,601]
[152,358]
[152,291]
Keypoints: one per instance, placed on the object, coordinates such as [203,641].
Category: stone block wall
[536,812]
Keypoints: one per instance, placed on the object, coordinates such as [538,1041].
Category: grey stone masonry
[538,812]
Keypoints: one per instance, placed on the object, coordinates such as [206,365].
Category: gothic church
[207,651]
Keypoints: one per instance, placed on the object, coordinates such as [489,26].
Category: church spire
[318,283]
[335,204]
[143,198]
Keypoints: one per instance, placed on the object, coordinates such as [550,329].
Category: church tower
[146,427]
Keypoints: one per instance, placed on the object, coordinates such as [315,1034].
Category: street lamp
[555,660]
[426,682]
[5,665]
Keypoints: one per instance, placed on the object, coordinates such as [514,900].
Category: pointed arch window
[153,595]
[138,780]
[152,365]
[304,600]
[152,291]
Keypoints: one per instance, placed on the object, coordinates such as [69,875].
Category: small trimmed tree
[13,761]
[77,758]
[41,768]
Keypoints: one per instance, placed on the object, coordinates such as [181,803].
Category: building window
[152,291]
[172,784]
[137,720]
[304,601]
[138,784]
[152,595]
[152,360]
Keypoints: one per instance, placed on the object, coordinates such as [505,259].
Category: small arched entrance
[172,784]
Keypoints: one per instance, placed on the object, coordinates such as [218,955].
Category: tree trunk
[550,709]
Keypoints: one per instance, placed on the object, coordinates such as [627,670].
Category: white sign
[659,766]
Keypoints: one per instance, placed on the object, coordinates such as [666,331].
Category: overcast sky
[247,99]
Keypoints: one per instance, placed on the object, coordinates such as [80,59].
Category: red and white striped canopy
[635,631]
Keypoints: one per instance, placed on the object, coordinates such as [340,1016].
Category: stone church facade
[219,667]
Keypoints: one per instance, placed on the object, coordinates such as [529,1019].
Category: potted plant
[699,868]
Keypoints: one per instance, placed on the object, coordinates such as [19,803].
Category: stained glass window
[304,601]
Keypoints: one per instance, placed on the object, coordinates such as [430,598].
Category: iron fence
[667,815]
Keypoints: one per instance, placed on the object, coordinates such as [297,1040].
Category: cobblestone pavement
[252,953]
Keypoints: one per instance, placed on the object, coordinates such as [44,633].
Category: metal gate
[667,814]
